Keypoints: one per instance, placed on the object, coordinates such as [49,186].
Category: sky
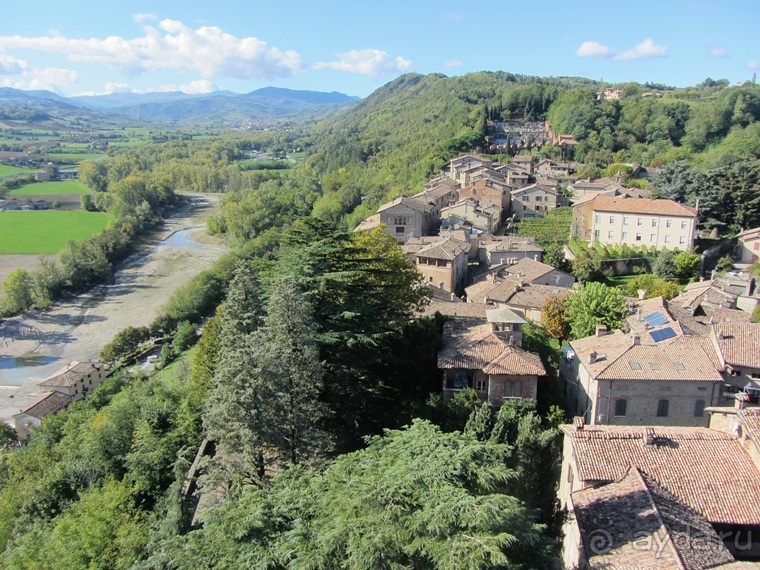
[88,47]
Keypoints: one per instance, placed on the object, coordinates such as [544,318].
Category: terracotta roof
[412,203]
[369,224]
[529,269]
[436,192]
[750,420]
[46,403]
[534,296]
[455,309]
[511,243]
[670,362]
[477,348]
[740,344]
[71,374]
[546,189]
[752,233]
[623,511]
[682,460]
[447,249]
[642,206]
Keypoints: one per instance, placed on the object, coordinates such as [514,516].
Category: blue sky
[87,47]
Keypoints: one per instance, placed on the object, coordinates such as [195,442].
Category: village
[664,448]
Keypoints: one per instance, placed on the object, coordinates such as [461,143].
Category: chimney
[642,294]
[579,423]
[638,315]
[453,297]
[592,357]
[741,399]
[635,339]
[535,257]
[649,437]
[719,334]
[491,277]
[601,330]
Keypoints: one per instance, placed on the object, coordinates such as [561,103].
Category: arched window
[699,408]
[621,406]
[662,408]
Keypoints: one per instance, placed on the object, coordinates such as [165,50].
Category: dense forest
[331,445]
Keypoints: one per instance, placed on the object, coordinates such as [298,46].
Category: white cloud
[367,62]
[752,65]
[142,17]
[717,49]
[594,49]
[644,50]
[116,88]
[9,65]
[172,45]
[49,78]
[198,87]
[452,63]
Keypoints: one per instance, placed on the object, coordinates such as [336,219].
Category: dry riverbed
[37,344]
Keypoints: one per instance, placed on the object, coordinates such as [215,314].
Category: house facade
[534,201]
[76,379]
[489,193]
[32,414]
[635,222]
[488,358]
[444,264]
[508,250]
[406,217]
[468,211]
[748,247]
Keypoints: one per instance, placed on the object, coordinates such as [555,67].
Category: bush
[725,264]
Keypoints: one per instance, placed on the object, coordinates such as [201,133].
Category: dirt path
[37,344]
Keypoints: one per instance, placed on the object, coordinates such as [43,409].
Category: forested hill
[401,135]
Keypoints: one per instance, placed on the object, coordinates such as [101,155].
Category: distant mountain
[218,107]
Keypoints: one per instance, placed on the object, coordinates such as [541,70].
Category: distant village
[661,466]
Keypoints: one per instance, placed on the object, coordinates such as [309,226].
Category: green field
[44,188]
[47,231]
[75,158]
[6,170]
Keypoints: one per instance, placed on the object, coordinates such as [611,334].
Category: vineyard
[553,229]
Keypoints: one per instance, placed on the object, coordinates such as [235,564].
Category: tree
[664,265]
[725,264]
[17,291]
[687,264]
[555,256]
[413,498]
[124,343]
[587,267]
[554,317]
[594,304]
[184,337]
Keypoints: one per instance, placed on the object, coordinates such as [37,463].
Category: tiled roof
[532,187]
[504,315]
[412,203]
[670,362]
[369,224]
[749,234]
[511,243]
[642,206]
[740,344]
[612,518]
[447,249]
[708,470]
[455,309]
[477,348]
[71,374]
[750,420]
[46,403]
[529,269]
[534,296]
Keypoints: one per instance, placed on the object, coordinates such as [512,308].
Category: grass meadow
[46,231]
[6,170]
[44,188]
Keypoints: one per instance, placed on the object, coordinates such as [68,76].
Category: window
[682,240]
[399,229]
[755,375]
[517,389]
[683,225]
[538,198]
[620,407]
[481,385]
[662,408]
[625,220]
[610,234]
[655,366]
[625,236]
[525,198]
[668,223]
[399,221]
[598,219]
[699,408]
[596,234]
[667,239]
[679,366]
[702,390]
[653,238]
[525,208]
[654,223]
[640,222]
[612,219]
[638,237]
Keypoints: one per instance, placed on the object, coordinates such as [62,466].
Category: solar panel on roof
[662,334]
[656,319]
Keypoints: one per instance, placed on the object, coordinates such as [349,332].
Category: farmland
[47,231]
[47,188]
[6,170]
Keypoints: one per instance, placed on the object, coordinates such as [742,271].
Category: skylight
[680,367]
[635,365]
[655,366]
